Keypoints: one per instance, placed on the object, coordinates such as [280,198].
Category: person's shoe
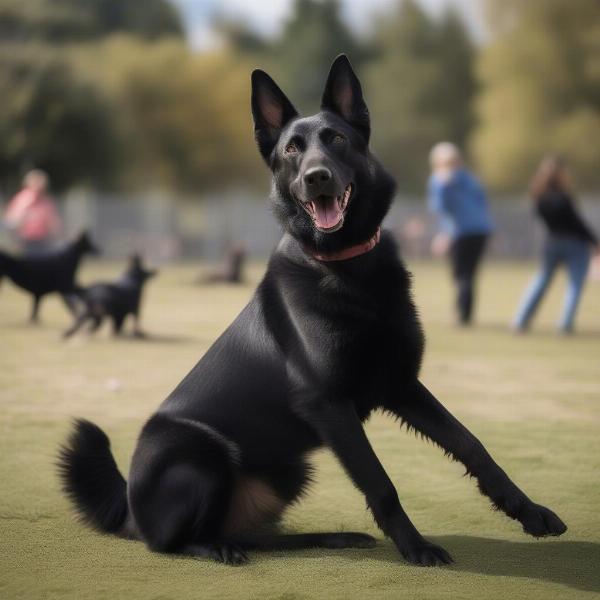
[565,331]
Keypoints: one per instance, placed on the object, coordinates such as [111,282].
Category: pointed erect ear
[271,111]
[343,96]
[135,260]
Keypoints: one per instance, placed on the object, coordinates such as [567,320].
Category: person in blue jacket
[459,200]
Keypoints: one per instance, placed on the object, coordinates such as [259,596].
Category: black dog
[54,271]
[330,335]
[114,300]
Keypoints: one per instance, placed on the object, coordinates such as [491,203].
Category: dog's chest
[353,335]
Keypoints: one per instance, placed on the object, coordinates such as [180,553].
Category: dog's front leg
[341,430]
[417,407]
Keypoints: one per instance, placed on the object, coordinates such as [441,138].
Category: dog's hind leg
[70,301]
[185,507]
[230,553]
[180,489]
[118,321]
[77,324]
[35,310]
[96,322]
[418,408]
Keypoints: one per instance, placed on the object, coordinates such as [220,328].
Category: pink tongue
[327,213]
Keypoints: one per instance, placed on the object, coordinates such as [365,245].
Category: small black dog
[54,271]
[116,300]
[330,335]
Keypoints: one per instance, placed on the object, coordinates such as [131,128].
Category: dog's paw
[426,554]
[350,540]
[540,521]
[227,553]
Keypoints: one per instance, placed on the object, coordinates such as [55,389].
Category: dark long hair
[551,175]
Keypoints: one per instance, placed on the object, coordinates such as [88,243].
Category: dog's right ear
[271,110]
[135,261]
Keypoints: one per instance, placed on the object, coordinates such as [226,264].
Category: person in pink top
[32,214]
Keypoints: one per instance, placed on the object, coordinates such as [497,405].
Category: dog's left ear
[135,261]
[271,110]
[343,96]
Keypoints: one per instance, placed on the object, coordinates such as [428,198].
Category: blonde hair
[36,178]
[444,154]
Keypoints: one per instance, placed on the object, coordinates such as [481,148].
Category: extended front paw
[425,554]
[539,521]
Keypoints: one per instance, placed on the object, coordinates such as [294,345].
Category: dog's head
[136,270]
[85,245]
[328,190]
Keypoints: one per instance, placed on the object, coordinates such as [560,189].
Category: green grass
[533,400]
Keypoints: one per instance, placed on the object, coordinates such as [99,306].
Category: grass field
[533,400]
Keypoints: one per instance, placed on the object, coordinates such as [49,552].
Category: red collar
[350,252]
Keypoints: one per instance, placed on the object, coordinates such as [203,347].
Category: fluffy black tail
[91,479]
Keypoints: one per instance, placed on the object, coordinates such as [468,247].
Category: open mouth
[327,212]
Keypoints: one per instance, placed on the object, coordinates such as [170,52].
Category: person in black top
[569,242]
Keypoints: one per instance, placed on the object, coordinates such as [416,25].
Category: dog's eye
[291,149]
[338,139]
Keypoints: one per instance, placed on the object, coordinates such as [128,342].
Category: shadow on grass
[541,332]
[158,338]
[571,563]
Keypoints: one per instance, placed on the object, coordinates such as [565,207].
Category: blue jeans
[575,255]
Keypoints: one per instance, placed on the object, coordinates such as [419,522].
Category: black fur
[114,300]
[319,347]
[91,478]
[51,272]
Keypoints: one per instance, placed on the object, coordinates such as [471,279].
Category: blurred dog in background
[49,272]
[115,300]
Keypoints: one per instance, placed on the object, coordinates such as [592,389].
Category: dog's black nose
[317,177]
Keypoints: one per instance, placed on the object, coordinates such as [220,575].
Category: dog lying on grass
[115,300]
[330,335]
[52,272]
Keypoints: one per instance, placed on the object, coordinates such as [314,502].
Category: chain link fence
[165,227]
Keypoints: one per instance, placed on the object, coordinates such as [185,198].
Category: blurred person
[32,214]
[458,198]
[569,242]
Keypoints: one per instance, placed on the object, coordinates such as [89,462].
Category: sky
[267,16]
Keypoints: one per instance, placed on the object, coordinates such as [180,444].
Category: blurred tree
[241,38]
[53,120]
[63,118]
[79,20]
[186,117]
[457,82]
[312,37]
[419,88]
[541,90]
